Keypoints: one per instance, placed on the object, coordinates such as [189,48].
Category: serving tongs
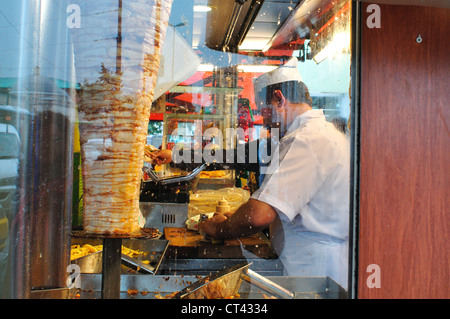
[172,180]
[226,283]
[135,264]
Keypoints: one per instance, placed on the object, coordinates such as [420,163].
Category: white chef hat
[286,72]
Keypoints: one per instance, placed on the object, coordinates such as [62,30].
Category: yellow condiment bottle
[222,206]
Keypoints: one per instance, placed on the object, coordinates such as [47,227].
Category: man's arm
[249,219]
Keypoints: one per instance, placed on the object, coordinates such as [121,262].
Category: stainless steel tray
[154,251]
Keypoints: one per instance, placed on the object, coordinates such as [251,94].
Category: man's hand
[147,151]
[249,219]
[210,226]
[160,156]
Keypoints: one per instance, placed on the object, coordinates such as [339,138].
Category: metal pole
[355,145]
[111,264]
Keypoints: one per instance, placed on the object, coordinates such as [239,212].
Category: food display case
[139,235]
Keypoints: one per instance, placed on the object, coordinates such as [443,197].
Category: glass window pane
[37,114]
[121,118]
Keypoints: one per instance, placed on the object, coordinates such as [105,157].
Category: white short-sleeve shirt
[310,182]
[309,188]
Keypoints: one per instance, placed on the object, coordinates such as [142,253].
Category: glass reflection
[312,222]
[37,116]
[205,99]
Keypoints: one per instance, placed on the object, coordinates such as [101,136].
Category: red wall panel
[405,153]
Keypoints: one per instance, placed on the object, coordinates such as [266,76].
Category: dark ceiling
[257,25]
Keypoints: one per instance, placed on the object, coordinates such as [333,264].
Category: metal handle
[186,178]
[165,181]
[266,284]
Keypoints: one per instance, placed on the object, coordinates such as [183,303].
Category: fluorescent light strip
[256,68]
[202,8]
[205,68]
[241,68]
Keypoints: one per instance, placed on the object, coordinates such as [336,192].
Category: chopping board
[190,244]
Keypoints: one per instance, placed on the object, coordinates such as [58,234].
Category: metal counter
[175,273]
[161,287]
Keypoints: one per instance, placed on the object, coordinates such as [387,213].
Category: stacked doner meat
[117,53]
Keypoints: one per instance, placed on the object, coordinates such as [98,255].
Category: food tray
[217,182]
[153,251]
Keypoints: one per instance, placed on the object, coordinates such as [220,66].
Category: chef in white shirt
[304,197]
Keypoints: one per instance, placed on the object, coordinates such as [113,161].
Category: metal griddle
[226,283]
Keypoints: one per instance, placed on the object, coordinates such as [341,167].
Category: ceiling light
[241,68]
[254,44]
[205,68]
[202,8]
[256,68]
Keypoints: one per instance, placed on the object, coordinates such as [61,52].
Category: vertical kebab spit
[117,53]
